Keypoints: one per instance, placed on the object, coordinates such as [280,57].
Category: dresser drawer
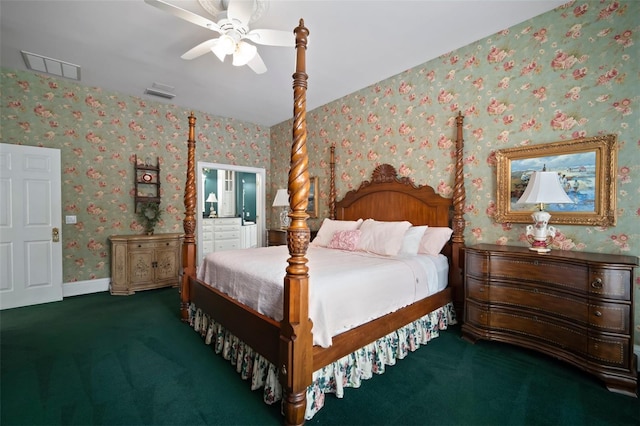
[207,247]
[476,264]
[477,289]
[609,350]
[476,314]
[539,270]
[541,299]
[610,283]
[226,224]
[142,245]
[230,234]
[539,328]
[221,245]
[613,317]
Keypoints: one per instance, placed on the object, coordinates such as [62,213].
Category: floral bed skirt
[347,372]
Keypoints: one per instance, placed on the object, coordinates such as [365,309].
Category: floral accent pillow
[345,240]
[330,227]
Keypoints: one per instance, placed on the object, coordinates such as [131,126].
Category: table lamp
[212,199]
[282,200]
[544,187]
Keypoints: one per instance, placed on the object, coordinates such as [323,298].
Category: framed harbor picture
[586,169]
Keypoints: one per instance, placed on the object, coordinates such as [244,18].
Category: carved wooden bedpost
[296,341]
[189,223]
[458,222]
[332,183]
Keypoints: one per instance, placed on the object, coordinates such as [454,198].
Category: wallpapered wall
[99,133]
[569,73]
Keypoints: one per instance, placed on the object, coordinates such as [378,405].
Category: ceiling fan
[233,26]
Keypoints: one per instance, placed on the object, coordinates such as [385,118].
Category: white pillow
[329,227]
[411,240]
[383,238]
[434,239]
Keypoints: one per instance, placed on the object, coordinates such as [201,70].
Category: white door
[30,222]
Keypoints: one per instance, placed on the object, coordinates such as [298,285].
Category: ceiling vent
[162,90]
[51,66]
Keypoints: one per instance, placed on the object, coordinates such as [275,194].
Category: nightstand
[278,237]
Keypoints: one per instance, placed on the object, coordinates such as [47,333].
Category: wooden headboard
[389,198]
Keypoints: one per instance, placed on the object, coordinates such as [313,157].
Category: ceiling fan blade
[244,53]
[201,49]
[194,18]
[240,10]
[272,37]
[257,65]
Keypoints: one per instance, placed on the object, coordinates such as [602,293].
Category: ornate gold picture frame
[586,167]
[312,207]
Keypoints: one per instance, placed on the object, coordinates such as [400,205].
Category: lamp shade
[544,187]
[211,198]
[244,53]
[282,198]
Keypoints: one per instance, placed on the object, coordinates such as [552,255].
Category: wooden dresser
[142,262]
[575,306]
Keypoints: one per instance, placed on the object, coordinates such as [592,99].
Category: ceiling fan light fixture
[228,44]
[219,51]
[244,53]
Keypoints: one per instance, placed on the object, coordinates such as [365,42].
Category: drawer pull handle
[535,290]
[535,262]
[597,283]
[597,313]
[139,245]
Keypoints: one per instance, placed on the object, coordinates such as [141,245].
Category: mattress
[346,288]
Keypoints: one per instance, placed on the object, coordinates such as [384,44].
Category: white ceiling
[126,45]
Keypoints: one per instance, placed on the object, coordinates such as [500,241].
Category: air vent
[51,66]
[162,90]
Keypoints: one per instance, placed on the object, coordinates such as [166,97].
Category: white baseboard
[78,288]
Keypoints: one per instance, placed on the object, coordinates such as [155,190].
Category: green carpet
[128,360]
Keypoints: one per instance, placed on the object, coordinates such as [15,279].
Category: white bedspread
[346,288]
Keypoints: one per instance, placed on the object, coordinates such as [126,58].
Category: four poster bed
[282,355]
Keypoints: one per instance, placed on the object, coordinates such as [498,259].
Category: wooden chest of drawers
[575,306]
[142,262]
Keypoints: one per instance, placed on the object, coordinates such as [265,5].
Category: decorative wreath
[149,213]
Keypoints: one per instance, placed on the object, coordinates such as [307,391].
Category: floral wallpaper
[572,72]
[568,73]
[99,135]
